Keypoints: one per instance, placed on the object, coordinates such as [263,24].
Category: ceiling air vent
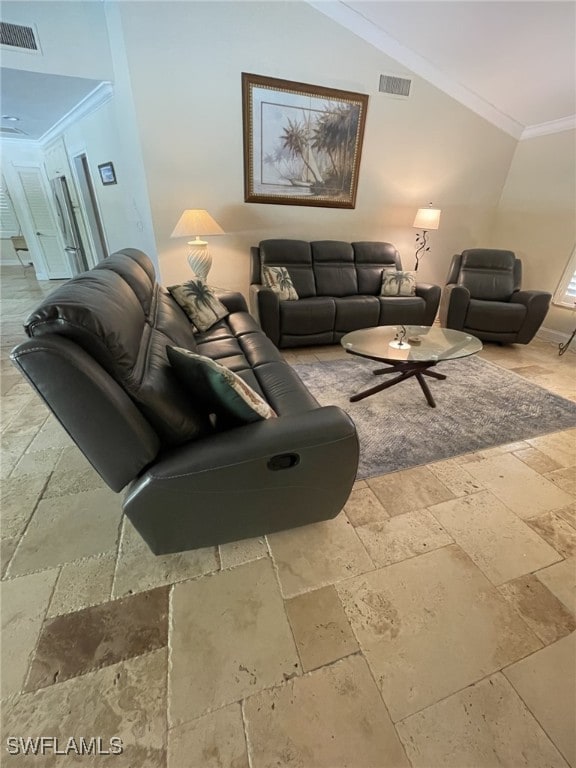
[18,36]
[6,130]
[395,86]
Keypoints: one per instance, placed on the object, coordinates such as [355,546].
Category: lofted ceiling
[511,61]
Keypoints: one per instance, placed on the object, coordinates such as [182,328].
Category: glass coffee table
[408,350]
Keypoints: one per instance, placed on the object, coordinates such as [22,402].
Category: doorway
[90,206]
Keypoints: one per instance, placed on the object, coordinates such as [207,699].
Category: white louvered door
[44,223]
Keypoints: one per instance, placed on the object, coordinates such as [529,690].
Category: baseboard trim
[549,334]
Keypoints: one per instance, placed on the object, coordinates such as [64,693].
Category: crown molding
[365,29]
[552,126]
[96,99]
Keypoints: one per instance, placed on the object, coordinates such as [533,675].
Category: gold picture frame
[302,142]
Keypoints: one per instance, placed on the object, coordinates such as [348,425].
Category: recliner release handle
[283,461]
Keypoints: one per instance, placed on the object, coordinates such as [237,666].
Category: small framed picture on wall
[107,173]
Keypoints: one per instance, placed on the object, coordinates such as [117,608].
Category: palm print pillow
[199,302]
[398,283]
[278,280]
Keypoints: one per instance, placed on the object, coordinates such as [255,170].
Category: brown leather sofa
[338,286]
[97,356]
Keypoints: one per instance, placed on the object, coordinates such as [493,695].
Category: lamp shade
[195,222]
[427,218]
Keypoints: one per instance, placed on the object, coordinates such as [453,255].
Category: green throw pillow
[219,390]
[199,302]
[278,280]
[397,283]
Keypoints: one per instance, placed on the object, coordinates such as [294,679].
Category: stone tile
[556,531]
[240,552]
[546,681]
[330,718]
[320,628]
[546,616]
[560,446]
[72,459]
[560,579]
[7,549]
[24,604]
[139,569]
[568,514]
[409,490]
[316,555]
[126,701]
[410,617]
[37,463]
[18,498]
[537,460]
[51,435]
[68,528]
[80,642]
[564,478]
[65,483]
[403,536]
[363,507]
[522,490]
[500,544]
[453,475]
[486,724]
[215,740]
[82,584]
[497,450]
[229,638]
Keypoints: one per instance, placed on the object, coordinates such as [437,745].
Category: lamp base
[199,258]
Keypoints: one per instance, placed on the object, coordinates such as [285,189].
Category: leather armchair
[482,297]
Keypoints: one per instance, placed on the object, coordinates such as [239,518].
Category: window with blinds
[9,226]
[566,291]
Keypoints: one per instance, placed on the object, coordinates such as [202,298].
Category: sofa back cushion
[372,258]
[296,256]
[124,321]
[488,274]
[334,270]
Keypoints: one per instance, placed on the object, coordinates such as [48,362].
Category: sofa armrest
[536,303]
[454,306]
[234,301]
[265,307]
[262,477]
[431,295]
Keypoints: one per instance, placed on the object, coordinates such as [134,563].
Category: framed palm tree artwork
[302,143]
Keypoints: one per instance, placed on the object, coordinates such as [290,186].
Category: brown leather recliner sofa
[97,356]
[338,285]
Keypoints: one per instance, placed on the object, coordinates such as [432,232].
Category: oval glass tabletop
[418,343]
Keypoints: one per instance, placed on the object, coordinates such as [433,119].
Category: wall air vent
[18,36]
[395,86]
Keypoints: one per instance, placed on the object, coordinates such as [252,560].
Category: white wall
[186,81]
[537,215]
[73,38]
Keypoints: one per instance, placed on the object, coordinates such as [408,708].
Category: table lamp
[426,219]
[196,222]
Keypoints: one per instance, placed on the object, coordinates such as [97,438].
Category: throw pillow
[220,390]
[199,302]
[278,280]
[397,283]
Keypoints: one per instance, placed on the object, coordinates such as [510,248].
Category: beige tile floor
[432,623]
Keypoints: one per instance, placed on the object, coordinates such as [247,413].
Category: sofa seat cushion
[405,310]
[494,316]
[354,312]
[283,389]
[308,316]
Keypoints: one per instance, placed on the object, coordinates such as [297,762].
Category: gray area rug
[478,406]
